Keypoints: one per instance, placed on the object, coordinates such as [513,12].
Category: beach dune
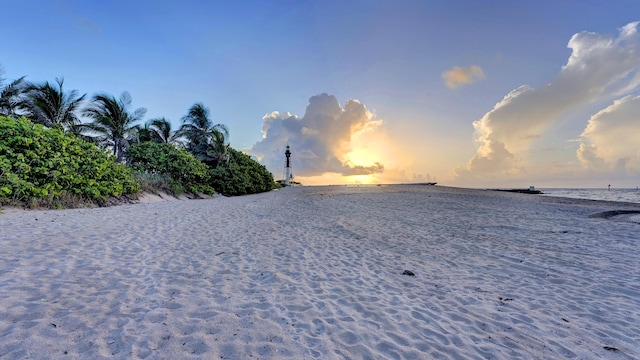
[324,273]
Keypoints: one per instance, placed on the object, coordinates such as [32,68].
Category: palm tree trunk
[115,147]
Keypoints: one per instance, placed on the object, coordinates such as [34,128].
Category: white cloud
[611,140]
[319,140]
[600,67]
[459,76]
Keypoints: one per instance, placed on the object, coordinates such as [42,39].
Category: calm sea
[626,195]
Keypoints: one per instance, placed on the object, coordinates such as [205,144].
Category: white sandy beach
[317,273]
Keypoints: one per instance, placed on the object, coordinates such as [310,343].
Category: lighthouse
[287,167]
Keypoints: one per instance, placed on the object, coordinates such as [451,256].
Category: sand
[317,273]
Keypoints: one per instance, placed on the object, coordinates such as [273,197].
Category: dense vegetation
[45,167]
[241,175]
[184,173]
[50,157]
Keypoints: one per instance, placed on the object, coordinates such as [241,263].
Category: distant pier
[521,191]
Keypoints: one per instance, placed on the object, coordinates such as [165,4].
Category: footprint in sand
[317,327]
[349,338]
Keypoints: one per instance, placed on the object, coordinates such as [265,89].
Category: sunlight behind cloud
[321,138]
[332,144]
[368,147]
[361,156]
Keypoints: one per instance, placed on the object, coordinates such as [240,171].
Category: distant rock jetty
[522,191]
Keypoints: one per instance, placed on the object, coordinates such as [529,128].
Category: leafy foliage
[185,172]
[241,175]
[51,106]
[161,132]
[40,166]
[47,166]
[205,140]
[12,96]
[113,121]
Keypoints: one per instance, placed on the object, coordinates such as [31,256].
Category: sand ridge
[316,273]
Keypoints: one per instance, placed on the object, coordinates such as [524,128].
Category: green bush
[241,175]
[154,183]
[47,167]
[184,172]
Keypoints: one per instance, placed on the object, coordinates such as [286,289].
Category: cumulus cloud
[600,67]
[318,140]
[611,140]
[459,76]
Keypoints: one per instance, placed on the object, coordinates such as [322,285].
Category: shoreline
[148,197]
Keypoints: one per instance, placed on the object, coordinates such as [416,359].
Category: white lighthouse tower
[287,167]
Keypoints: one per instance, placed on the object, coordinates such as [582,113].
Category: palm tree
[218,150]
[81,132]
[50,106]
[205,140]
[160,131]
[12,96]
[113,121]
[143,134]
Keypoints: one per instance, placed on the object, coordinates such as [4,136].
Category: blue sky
[262,66]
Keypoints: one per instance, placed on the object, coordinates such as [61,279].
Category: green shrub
[241,175]
[183,171]
[153,183]
[45,167]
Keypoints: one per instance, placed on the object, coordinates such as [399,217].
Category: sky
[465,93]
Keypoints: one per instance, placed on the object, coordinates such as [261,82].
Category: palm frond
[48,104]
[12,97]
[112,118]
[205,140]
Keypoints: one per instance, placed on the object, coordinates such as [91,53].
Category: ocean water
[624,195]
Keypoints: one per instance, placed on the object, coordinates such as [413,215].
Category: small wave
[620,195]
